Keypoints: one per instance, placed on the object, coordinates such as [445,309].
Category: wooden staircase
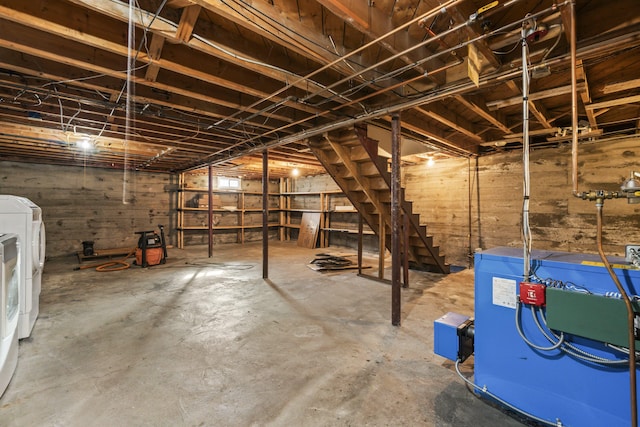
[352,159]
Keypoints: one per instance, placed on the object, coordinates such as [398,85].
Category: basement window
[225,183]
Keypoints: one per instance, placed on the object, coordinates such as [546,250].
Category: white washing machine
[9,307]
[21,216]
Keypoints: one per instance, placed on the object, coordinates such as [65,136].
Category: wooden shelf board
[347,230]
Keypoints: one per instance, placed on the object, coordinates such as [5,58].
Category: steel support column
[395,221]
[360,231]
[265,214]
[210,210]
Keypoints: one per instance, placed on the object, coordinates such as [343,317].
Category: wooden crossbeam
[187,22]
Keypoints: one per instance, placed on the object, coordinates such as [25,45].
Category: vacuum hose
[116,265]
[630,319]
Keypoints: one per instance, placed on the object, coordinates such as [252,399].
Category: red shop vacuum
[152,248]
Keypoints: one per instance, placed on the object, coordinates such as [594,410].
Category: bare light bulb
[430,162]
[84,144]
[295,172]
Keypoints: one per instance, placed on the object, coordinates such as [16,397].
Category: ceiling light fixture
[295,172]
[430,162]
[84,143]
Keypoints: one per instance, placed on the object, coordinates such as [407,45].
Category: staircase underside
[352,160]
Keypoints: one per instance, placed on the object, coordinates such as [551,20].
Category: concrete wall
[87,204]
[467,205]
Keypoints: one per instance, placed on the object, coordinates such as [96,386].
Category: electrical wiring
[486,391]
[73,117]
[276,24]
[549,50]
[515,46]
[526,176]
[577,352]
[382,111]
[555,345]
[329,65]
[453,30]
[553,338]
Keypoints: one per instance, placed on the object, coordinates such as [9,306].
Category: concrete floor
[207,342]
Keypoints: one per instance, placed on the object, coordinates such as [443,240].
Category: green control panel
[590,316]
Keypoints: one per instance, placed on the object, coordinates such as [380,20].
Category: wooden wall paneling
[559,221]
[86,203]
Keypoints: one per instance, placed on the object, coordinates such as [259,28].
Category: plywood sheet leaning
[309,227]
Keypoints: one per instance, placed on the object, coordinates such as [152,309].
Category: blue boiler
[551,384]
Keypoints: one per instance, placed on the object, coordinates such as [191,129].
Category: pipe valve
[631,188]
[599,195]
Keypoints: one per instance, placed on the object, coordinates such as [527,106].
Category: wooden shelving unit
[241,211]
[238,211]
[330,204]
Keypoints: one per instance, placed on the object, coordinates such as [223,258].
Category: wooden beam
[478,106]
[179,4]
[269,22]
[50,50]
[450,119]
[515,137]
[549,93]
[609,88]
[249,60]
[613,102]
[437,139]
[460,14]
[225,76]
[536,109]
[585,135]
[155,51]
[585,96]
[373,22]
[187,22]
[540,114]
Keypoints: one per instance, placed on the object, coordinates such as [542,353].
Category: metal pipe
[265,214]
[395,221]
[360,232]
[405,250]
[389,110]
[340,59]
[630,318]
[453,30]
[402,83]
[574,101]
[433,96]
[210,211]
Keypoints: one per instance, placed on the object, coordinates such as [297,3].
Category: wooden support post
[395,221]
[265,214]
[210,227]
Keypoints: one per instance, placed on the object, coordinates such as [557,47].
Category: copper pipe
[574,101]
[630,318]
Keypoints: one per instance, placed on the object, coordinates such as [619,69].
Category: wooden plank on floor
[309,227]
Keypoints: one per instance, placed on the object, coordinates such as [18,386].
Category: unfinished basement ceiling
[217,81]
